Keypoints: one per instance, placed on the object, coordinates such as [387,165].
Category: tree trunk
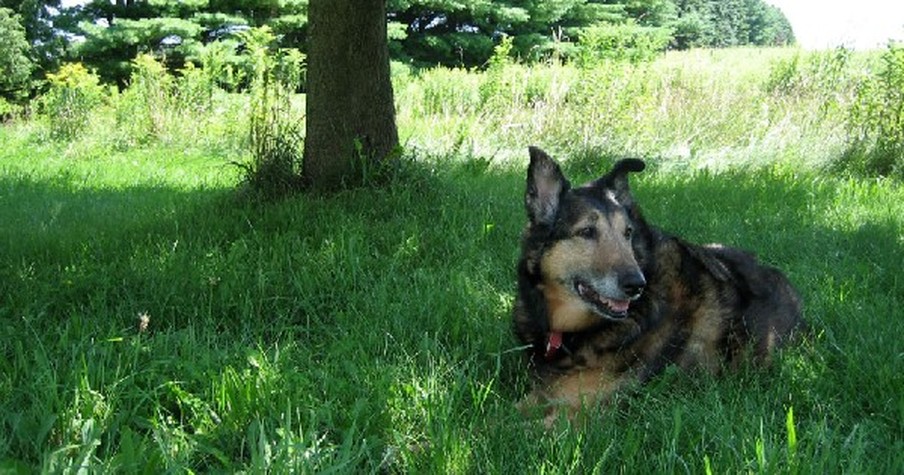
[350,110]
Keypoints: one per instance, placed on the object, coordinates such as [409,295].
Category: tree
[768,25]
[717,23]
[465,32]
[15,65]
[350,110]
[46,47]
[421,32]
[116,32]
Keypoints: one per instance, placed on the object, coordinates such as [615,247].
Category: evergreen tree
[116,32]
[464,32]
[423,32]
[38,18]
[15,65]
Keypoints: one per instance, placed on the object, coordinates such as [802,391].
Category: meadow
[157,316]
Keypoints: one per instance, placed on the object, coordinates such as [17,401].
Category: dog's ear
[616,180]
[545,187]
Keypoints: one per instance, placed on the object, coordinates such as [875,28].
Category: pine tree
[15,65]
[117,32]
[38,19]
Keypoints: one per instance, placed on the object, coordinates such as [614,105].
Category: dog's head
[580,243]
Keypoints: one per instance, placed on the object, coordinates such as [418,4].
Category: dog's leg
[569,394]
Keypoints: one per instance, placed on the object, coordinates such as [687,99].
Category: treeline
[453,32]
[108,34]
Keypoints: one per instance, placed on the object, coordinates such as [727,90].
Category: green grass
[369,331]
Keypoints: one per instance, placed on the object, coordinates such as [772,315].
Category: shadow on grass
[375,315]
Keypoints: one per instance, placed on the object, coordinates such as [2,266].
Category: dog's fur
[604,299]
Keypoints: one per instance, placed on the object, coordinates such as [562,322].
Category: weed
[876,120]
[275,132]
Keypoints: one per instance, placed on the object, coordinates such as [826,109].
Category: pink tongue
[618,305]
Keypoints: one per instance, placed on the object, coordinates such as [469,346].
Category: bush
[7,110]
[625,42]
[73,94]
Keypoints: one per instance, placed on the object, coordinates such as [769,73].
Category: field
[153,318]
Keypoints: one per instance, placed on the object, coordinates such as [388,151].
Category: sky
[860,24]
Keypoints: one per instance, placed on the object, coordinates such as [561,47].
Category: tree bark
[350,109]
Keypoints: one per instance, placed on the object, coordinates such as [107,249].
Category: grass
[150,320]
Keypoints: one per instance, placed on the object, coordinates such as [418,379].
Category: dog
[606,300]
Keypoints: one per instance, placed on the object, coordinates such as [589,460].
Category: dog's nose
[632,284]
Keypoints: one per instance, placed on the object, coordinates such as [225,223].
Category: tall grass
[697,109]
[275,131]
[877,119]
[183,112]
[152,321]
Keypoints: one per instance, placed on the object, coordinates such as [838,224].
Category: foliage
[67,105]
[7,110]
[15,64]
[463,33]
[42,21]
[182,110]
[113,48]
[719,23]
[145,107]
[768,26]
[876,121]
[625,42]
[421,32]
[176,30]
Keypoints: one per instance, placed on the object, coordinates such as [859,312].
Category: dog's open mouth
[609,307]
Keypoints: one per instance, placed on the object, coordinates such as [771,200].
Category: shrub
[73,94]
[222,65]
[161,107]
[7,110]
[624,42]
[785,76]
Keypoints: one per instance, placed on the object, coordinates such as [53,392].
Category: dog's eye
[588,232]
[629,233]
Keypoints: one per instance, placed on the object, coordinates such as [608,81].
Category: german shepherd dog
[606,300]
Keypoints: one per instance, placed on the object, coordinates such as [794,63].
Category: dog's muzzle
[630,285]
